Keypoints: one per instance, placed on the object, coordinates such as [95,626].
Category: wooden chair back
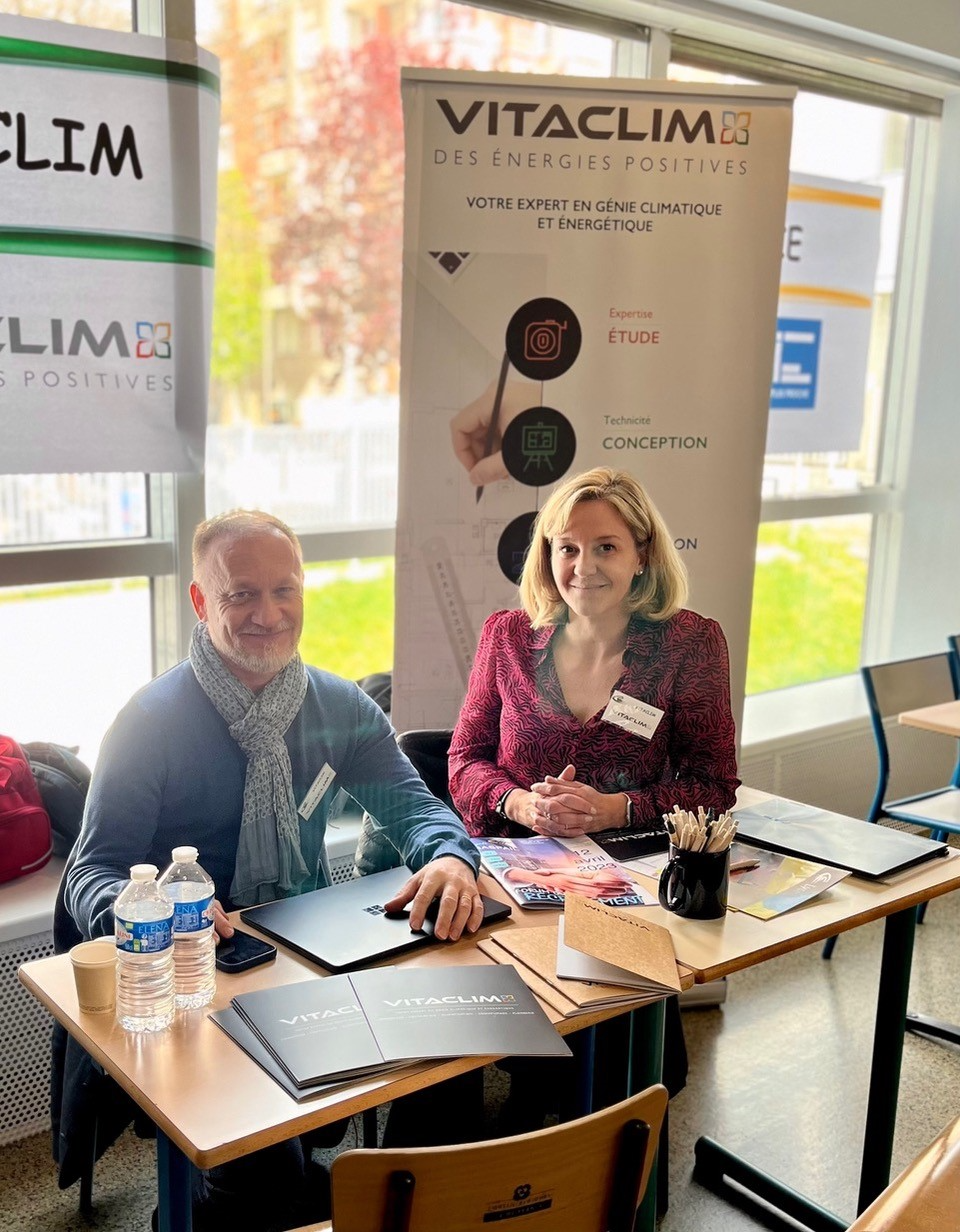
[587,1175]
[925,1197]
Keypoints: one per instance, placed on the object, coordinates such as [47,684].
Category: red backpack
[26,839]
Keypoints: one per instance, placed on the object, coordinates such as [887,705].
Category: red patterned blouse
[515,727]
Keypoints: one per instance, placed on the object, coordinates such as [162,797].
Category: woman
[604,702]
[600,705]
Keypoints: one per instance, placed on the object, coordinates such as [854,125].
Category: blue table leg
[586,1059]
[174,1187]
[646,1068]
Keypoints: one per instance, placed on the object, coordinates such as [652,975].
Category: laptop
[868,850]
[344,926]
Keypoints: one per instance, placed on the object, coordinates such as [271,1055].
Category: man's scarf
[269,860]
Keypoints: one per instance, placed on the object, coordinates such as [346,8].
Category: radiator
[24,1044]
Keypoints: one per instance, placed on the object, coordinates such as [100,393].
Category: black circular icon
[543,338]
[512,548]
[538,446]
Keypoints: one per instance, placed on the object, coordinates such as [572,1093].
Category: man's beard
[272,660]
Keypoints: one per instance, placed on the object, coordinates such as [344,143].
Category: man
[204,752]
[239,751]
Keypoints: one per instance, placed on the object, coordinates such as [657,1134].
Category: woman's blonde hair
[657,594]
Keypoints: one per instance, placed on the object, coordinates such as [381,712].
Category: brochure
[534,953]
[235,1025]
[778,883]
[618,946]
[538,871]
[347,1026]
[633,959]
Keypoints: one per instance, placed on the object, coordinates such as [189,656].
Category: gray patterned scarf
[269,860]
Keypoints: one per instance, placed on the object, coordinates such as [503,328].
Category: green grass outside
[348,625]
[808,602]
[809,598]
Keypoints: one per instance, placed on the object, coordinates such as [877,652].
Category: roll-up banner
[591,272]
[108,166]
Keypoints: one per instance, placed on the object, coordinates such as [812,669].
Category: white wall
[927,599]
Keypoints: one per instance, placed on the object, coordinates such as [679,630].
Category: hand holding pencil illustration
[477,430]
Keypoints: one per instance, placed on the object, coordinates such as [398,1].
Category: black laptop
[344,926]
[868,850]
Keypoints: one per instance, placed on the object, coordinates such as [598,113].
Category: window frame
[794,51]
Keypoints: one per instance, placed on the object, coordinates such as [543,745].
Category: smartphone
[241,952]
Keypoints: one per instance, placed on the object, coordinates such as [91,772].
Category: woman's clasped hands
[564,807]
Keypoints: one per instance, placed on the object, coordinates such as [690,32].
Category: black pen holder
[694,884]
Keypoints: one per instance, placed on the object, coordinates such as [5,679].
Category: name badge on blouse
[632,715]
[318,789]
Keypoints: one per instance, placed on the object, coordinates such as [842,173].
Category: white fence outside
[335,476]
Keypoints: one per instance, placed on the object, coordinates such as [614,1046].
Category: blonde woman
[604,702]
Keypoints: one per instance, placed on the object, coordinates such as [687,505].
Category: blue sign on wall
[796,360]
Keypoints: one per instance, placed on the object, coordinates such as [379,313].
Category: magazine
[538,871]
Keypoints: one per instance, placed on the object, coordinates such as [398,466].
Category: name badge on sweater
[632,715]
[318,789]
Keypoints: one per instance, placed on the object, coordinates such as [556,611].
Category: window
[305,388]
[73,655]
[307,317]
[814,546]
[305,371]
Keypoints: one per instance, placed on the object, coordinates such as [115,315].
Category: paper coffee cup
[95,973]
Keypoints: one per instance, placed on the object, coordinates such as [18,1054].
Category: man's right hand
[222,928]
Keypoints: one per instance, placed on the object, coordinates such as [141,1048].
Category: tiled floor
[779,1073]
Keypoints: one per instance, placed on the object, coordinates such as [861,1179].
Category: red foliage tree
[343,247]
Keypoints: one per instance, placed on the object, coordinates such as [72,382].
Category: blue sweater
[169,773]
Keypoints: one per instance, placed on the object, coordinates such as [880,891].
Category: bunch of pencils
[700,831]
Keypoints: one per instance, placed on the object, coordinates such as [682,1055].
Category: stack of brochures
[539,871]
[328,1031]
[599,957]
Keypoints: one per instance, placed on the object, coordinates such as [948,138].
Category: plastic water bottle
[190,890]
[144,931]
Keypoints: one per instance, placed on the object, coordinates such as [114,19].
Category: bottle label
[193,917]
[144,936]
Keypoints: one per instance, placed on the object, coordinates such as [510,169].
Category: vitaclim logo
[150,339]
[506,998]
[598,123]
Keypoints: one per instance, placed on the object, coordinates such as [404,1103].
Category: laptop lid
[344,926]
[868,850]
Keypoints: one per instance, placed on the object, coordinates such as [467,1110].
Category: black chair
[909,684]
[427,750]
[953,641]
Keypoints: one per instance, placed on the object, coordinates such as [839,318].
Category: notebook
[868,850]
[344,926]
